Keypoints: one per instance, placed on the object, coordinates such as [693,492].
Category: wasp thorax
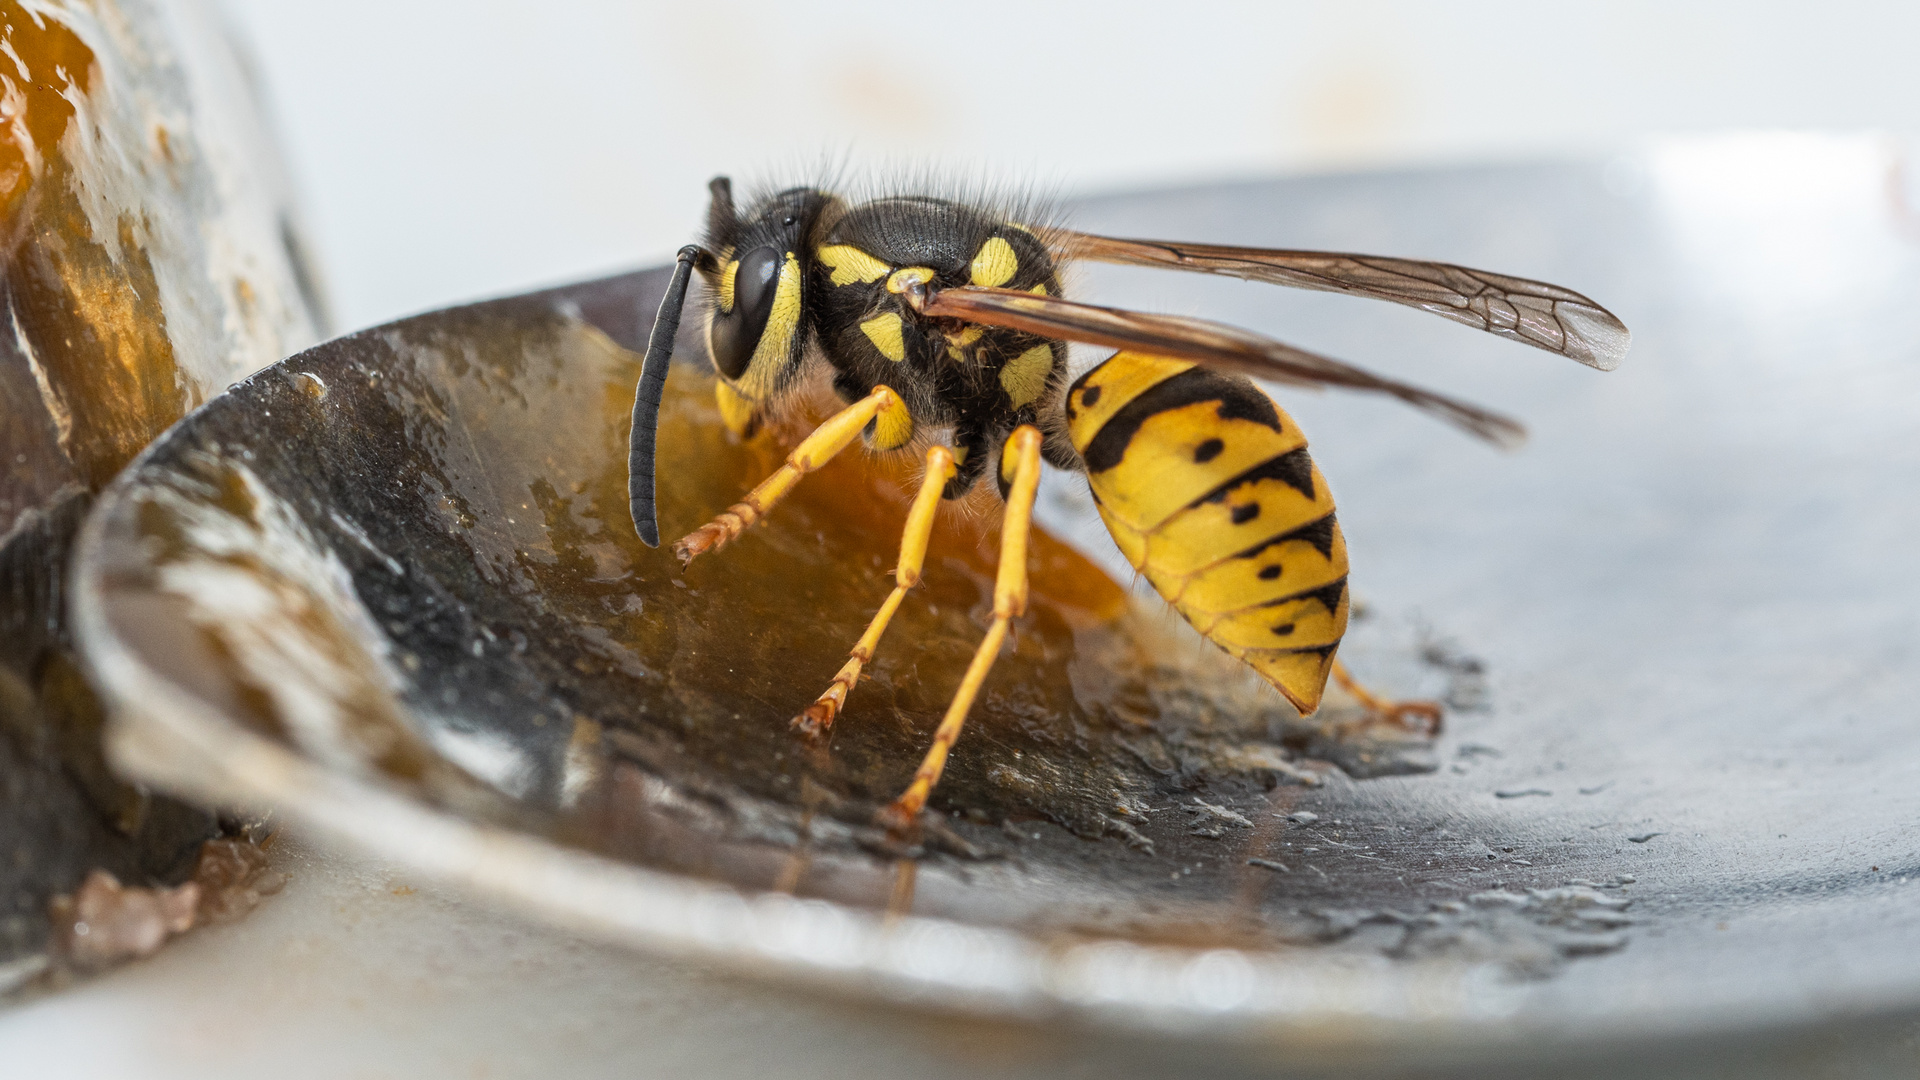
[747,288]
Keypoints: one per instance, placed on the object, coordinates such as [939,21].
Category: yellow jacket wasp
[938,315]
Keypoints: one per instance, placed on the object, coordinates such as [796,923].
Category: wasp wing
[1212,344]
[1532,312]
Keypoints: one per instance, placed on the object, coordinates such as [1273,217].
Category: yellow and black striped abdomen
[1208,489]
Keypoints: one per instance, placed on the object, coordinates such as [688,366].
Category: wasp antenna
[646,397]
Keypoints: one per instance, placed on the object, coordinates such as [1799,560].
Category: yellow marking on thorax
[886,333]
[1025,376]
[849,264]
[1039,290]
[995,263]
[959,341]
[1164,468]
[726,285]
[1117,381]
[899,280]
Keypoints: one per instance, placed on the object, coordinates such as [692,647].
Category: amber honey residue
[99,335]
[43,64]
[87,307]
[510,495]
[467,473]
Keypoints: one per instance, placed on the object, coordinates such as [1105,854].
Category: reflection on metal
[146,266]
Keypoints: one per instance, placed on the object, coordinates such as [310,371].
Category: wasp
[944,317]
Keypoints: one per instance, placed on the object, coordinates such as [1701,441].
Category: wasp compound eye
[736,332]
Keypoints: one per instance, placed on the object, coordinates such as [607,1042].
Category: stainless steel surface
[1685,811]
[152,257]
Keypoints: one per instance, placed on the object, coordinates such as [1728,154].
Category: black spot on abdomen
[1238,398]
[1294,469]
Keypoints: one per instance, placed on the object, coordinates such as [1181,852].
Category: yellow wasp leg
[815,450]
[913,552]
[1399,712]
[1021,457]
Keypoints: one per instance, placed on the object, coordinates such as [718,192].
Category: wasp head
[756,327]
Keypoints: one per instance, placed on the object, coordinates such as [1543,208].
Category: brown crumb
[233,879]
[105,922]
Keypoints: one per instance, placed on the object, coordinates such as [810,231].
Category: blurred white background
[451,150]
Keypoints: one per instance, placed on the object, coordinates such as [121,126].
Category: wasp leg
[1402,713]
[1021,457]
[913,552]
[815,450]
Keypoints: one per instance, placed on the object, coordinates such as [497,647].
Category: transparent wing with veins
[1531,312]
